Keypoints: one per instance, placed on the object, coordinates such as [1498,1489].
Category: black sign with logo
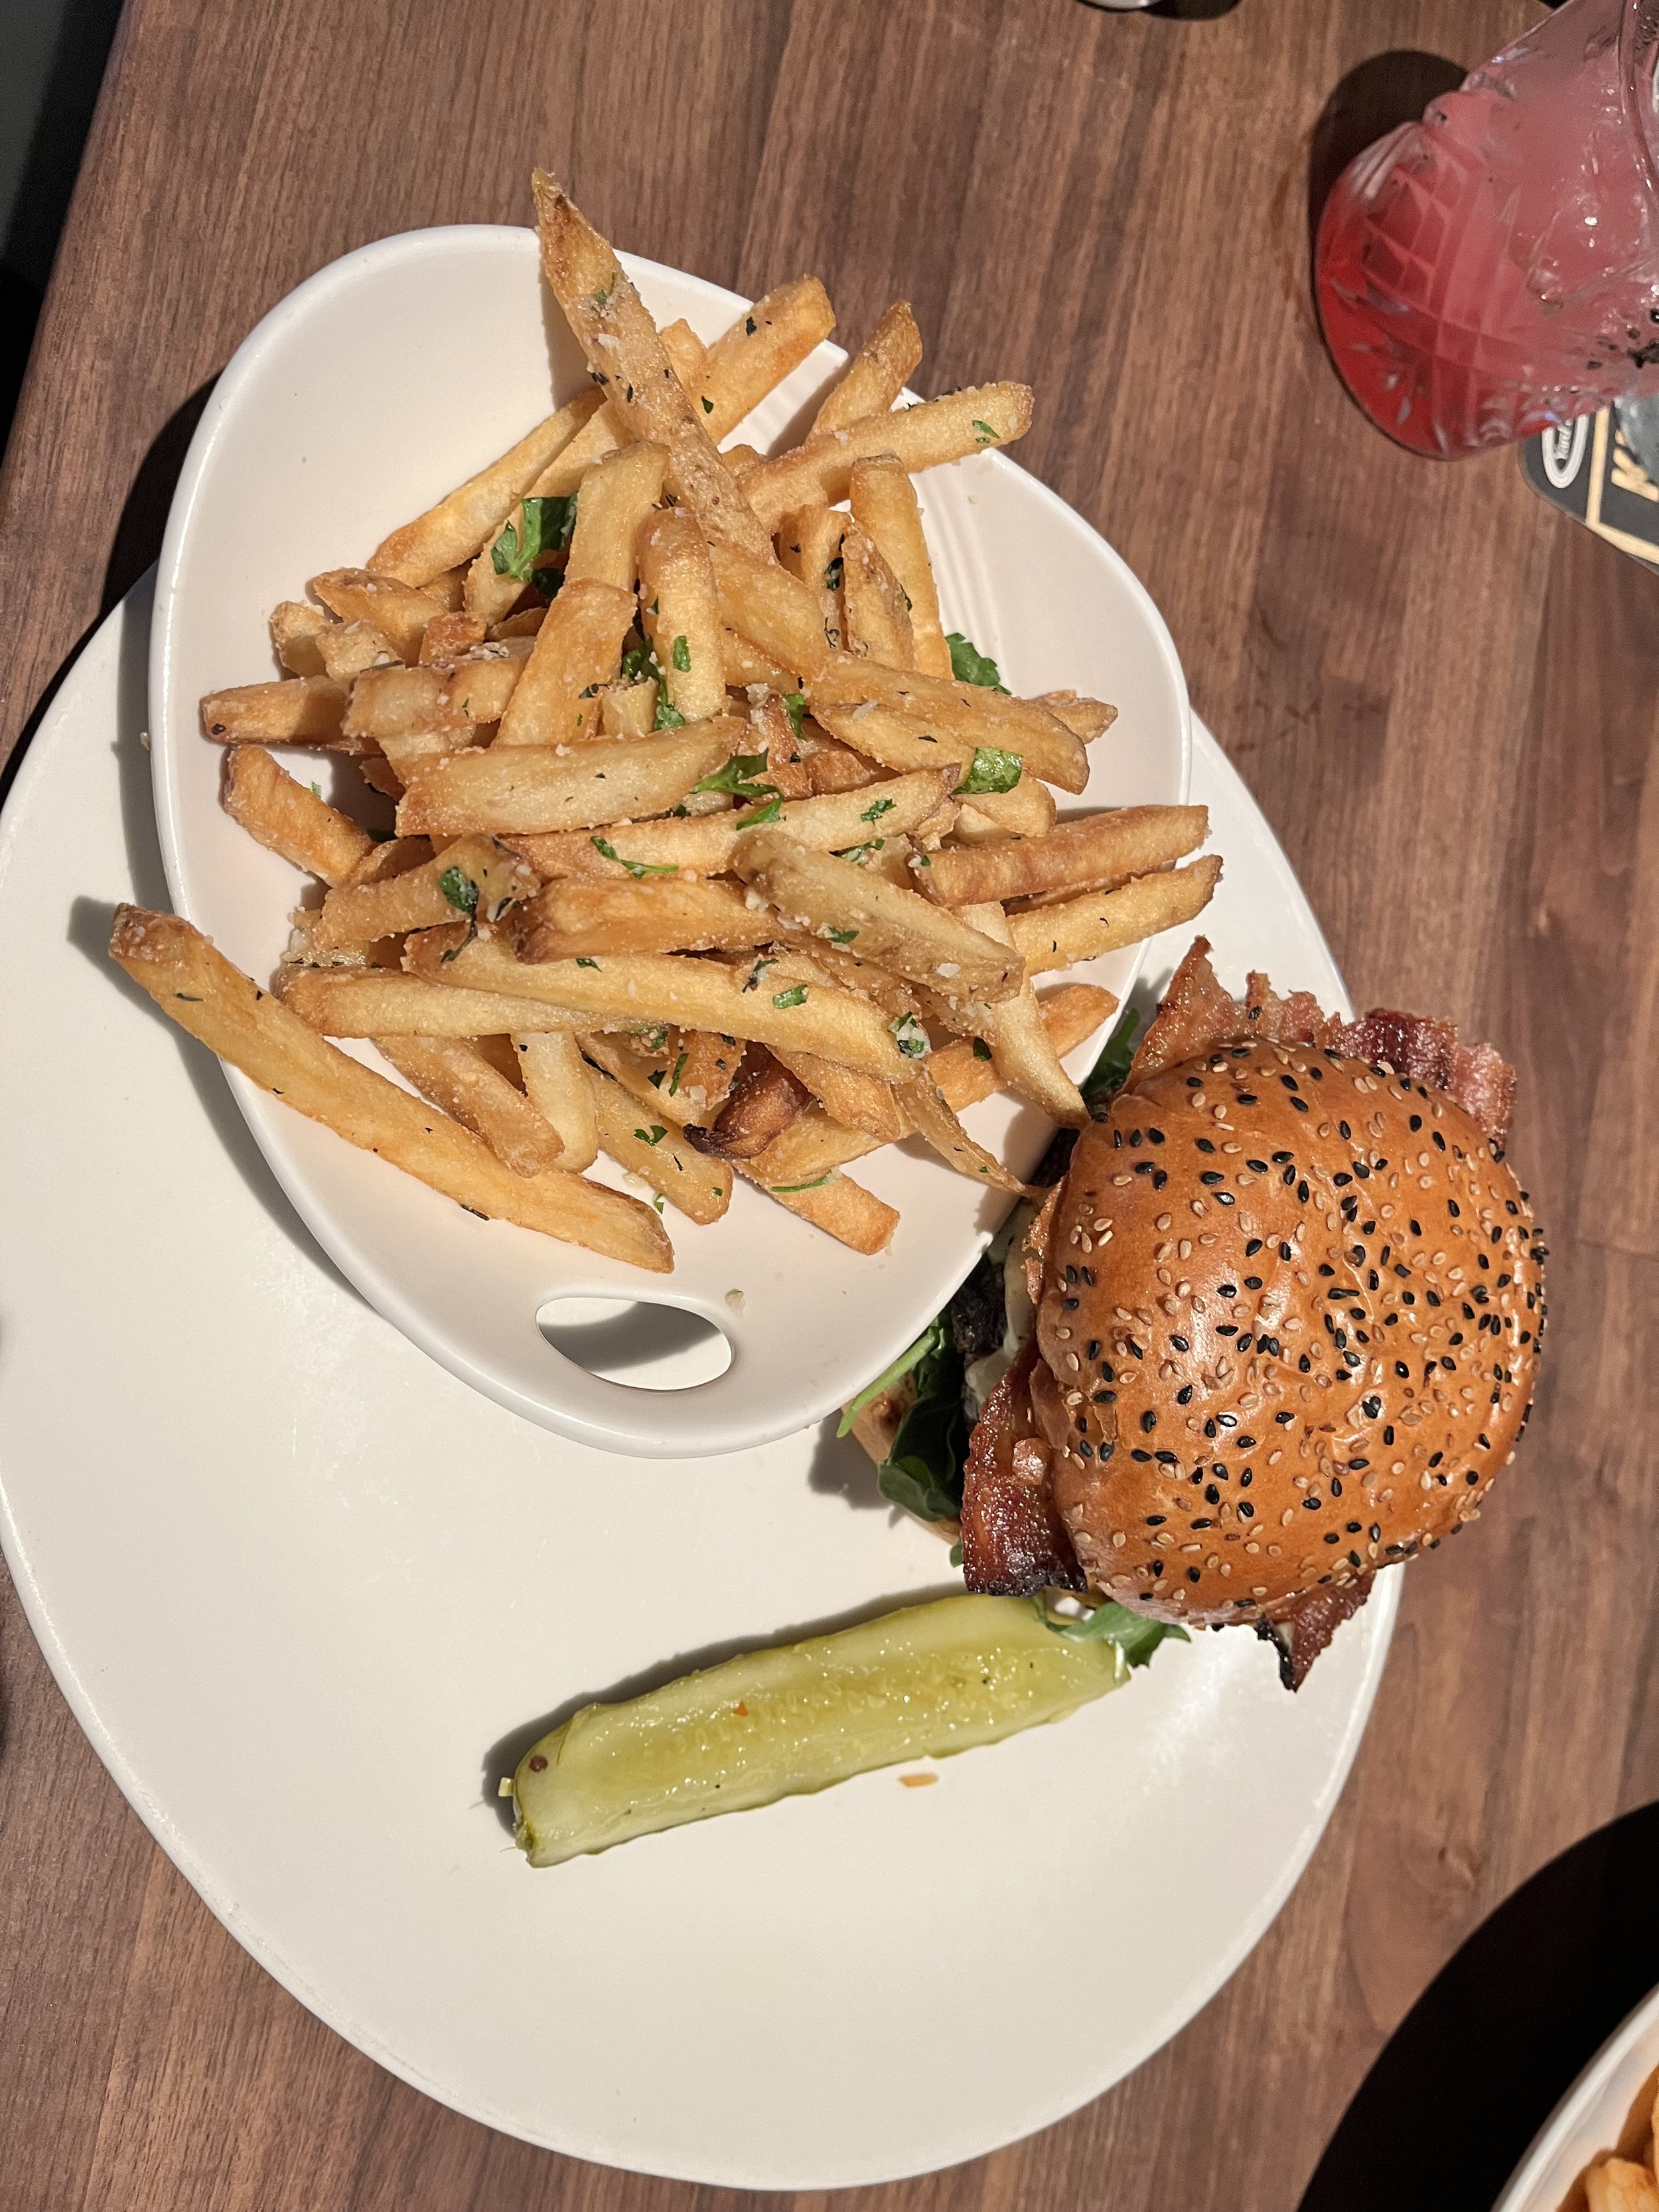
[1587,469]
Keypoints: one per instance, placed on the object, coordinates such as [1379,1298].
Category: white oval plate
[296,1581]
[379,383]
[1593,2120]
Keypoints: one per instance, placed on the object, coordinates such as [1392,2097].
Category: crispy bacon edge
[1198,1016]
[1013,1540]
[1307,1625]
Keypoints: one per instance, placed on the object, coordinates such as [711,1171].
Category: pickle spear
[917,1684]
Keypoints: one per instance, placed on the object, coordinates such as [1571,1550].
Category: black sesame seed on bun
[1287,1333]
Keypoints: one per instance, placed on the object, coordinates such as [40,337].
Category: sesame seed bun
[1288,1330]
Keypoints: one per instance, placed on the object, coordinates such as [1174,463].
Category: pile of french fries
[1627,2184]
[705,857]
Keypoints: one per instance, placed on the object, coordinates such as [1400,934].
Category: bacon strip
[1297,1019]
[1309,1624]
[1194,1015]
[1197,1016]
[1428,1052]
[1013,1541]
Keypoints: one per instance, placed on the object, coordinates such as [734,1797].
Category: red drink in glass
[1493,270]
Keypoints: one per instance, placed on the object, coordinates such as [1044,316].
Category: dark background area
[54,52]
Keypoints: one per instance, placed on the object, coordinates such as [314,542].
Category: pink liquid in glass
[1494,269]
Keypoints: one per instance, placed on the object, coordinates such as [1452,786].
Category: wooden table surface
[1441,693]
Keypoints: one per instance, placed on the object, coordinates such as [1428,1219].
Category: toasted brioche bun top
[1288,1329]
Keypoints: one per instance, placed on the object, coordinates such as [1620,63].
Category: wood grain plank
[1441,692]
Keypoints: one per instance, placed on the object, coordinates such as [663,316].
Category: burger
[1274,1328]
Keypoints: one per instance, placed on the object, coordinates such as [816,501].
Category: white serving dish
[378,384]
[1608,2108]
[308,1595]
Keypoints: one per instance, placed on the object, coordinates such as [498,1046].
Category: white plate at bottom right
[1607,2110]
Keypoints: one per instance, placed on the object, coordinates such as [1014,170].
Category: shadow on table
[135,547]
[1371,100]
[1489,2048]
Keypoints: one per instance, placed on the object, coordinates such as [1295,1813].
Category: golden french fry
[624,990]
[876,374]
[935,1122]
[1087,718]
[391,856]
[1070,1015]
[598,437]
[298,710]
[700,1188]
[815,1146]
[682,614]
[830,1201]
[571,918]
[628,710]
[400,611]
[300,952]
[352,1002]
[746,664]
[491,592]
[858,1102]
[877,611]
[1090,853]
[1619,2185]
[649,1082]
[448,588]
[1083,928]
[411,702]
[626,355]
[739,456]
[759,350]
[896,740]
[855,908]
[688,1078]
[831,766]
[688,357]
[883,503]
[460,1082]
[576,650]
[809,546]
[774,730]
[524,624]
[287,817]
[811,960]
[452,532]
[1025,811]
[448,635]
[347,648]
[700,846]
[403,755]
[925,437]
[198,987]
[616,497]
[474,876]
[965,715]
[519,789]
[1026,1061]
[295,628]
[704,1066]
[555,1083]
[776,611]
[834,823]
